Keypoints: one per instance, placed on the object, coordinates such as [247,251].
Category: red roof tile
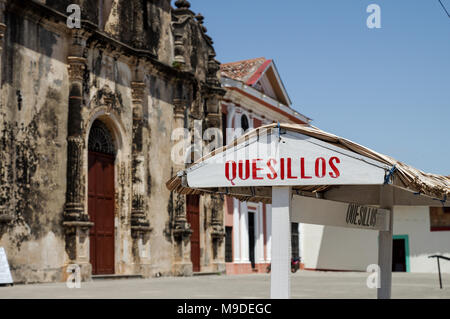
[242,70]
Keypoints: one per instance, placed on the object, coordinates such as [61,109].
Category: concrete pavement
[304,284]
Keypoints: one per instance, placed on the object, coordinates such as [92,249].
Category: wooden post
[385,243]
[281,243]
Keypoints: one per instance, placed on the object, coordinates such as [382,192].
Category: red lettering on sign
[302,169]
[289,169]
[233,171]
[321,167]
[255,169]
[335,173]
[269,165]
[247,170]
[252,168]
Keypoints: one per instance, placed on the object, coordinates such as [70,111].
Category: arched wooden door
[101,199]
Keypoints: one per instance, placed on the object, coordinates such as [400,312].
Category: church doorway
[101,158]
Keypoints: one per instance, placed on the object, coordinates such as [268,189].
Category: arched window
[244,123]
[100,139]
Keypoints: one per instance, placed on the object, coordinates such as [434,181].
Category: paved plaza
[305,284]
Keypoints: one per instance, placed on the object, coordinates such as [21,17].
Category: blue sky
[388,88]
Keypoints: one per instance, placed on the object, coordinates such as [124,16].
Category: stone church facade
[86,126]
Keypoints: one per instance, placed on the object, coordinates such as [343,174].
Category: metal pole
[281,243]
[439,270]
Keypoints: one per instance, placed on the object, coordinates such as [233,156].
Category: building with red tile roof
[255,96]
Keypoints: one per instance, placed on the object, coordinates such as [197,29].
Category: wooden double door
[101,212]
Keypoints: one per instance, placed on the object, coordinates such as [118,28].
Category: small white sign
[5,273]
[325,212]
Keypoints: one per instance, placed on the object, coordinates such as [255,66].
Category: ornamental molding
[137,92]
[76,66]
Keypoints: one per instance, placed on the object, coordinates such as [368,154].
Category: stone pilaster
[140,227]
[181,228]
[76,220]
[75,193]
[214,120]
[77,247]
[138,217]
[180,14]
[217,232]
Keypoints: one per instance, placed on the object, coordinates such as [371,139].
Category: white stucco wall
[333,248]
[415,222]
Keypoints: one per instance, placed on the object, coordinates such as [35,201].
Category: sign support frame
[280,286]
[385,245]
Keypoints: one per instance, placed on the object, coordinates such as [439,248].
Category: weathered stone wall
[122,68]
[33,110]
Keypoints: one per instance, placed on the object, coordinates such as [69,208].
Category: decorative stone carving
[182,229]
[107,97]
[77,65]
[213,68]
[74,208]
[178,109]
[139,223]
[213,120]
[181,18]
[182,4]
[137,92]
[179,49]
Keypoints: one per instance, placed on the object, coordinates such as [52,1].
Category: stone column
[259,253]
[138,216]
[236,232]
[76,219]
[243,227]
[217,232]
[181,229]
[214,120]
[75,194]
[140,227]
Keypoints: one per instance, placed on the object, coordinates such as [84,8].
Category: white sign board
[288,159]
[325,212]
[5,273]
